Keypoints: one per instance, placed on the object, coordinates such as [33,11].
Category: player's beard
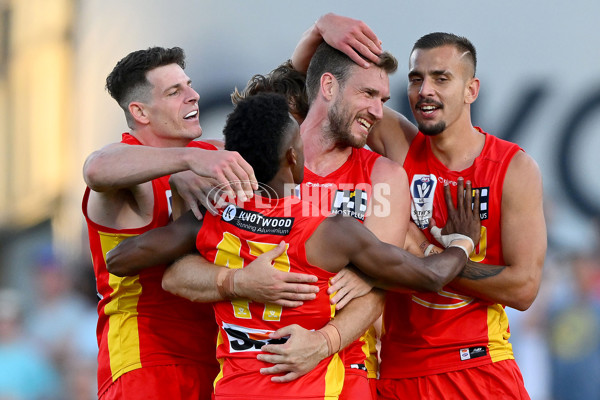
[432,130]
[339,127]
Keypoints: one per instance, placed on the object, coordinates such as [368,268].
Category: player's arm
[119,166]
[157,246]
[305,349]
[196,279]
[524,242]
[193,277]
[191,191]
[402,270]
[350,36]
[391,137]
[387,217]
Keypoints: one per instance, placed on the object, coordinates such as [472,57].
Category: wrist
[225,282]
[466,244]
[332,337]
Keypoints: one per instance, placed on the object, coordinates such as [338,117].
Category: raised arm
[524,242]
[350,36]
[119,166]
[391,137]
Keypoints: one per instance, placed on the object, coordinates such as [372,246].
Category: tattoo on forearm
[476,271]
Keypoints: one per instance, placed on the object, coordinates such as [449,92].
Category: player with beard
[262,130]
[342,177]
[472,349]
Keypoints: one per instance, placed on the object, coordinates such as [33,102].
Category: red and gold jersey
[140,324]
[234,239]
[430,333]
[347,190]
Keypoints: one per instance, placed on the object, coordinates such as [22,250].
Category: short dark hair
[328,59]
[127,82]
[256,129]
[284,80]
[439,39]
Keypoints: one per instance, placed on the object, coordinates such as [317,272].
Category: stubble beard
[339,128]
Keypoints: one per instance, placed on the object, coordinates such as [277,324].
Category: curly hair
[284,80]
[256,129]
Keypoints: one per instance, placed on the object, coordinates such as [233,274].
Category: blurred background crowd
[538,67]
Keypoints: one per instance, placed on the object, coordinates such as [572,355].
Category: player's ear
[329,85]
[291,156]
[138,112]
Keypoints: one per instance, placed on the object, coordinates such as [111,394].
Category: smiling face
[357,106]
[172,111]
[441,87]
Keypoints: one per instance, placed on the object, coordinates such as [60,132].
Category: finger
[196,210]
[476,205]
[275,369]
[235,184]
[243,172]
[271,358]
[299,291]
[339,295]
[295,277]
[278,334]
[273,253]
[365,50]
[286,378]
[224,186]
[342,303]
[460,195]
[468,198]
[288,303]
[354,56]
[338,276]
[374,42]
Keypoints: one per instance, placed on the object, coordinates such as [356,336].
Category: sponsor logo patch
[484,196]
[256,222]
[248,339]
[351,203]
[422,190]
[472,352]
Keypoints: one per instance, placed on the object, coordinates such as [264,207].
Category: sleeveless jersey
[431,333]
[347,190]
[140,324]
[233,240]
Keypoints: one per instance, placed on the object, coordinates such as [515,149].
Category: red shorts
[356,386]
[499,380]
[162,382]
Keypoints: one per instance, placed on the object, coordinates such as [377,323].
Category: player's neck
[458,147]
[322,155]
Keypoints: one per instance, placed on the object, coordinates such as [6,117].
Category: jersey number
[228,254]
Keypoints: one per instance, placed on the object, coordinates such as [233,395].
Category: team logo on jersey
[352,203]
[241,338]
[422,190]
[256,222]
[484,196]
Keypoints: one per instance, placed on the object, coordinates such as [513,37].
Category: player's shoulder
[385,169]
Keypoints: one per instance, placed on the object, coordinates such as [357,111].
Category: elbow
[523,300]
[113,265]
[118,265]
[92,172]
